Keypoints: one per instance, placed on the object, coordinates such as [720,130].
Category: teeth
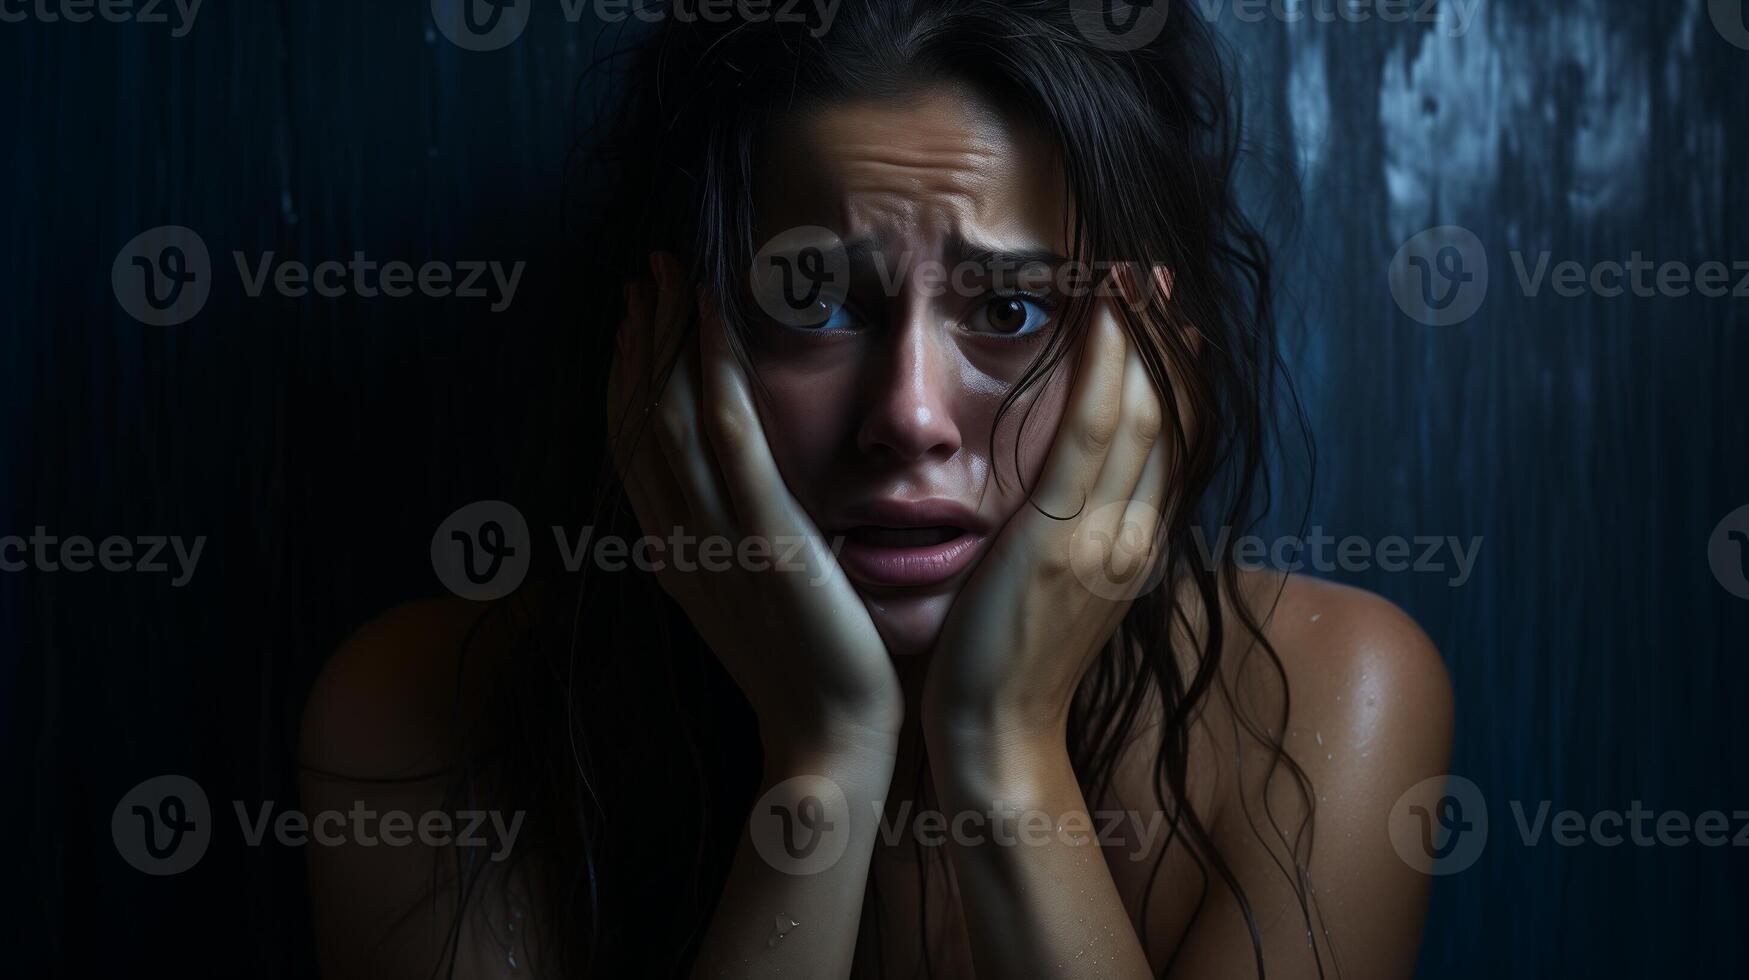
[904,537]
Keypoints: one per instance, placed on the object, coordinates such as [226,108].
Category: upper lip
[932,512]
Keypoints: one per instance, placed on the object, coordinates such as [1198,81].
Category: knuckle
[1100,426]
[728,429]
[1146,420]
[673,424]
[1055,560]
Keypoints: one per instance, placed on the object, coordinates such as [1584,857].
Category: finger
[757,494]
[1089,424]
[1136,540]
[682,442]
[660,426]
[670,315]
[1138,432]
[655,496]
[627,395]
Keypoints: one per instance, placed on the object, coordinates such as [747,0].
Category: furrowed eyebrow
[861,251]
[960,250]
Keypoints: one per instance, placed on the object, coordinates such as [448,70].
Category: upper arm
[379,735]
[1371,719]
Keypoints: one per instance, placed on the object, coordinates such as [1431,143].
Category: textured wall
[1593,443]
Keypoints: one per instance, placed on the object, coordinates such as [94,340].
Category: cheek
[807,414]
[1025,435]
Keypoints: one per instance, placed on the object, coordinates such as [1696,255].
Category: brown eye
[1007,314]
[1012,315]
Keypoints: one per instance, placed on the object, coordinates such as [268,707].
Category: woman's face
[951,219]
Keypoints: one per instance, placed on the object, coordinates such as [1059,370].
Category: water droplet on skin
[1328,756]
[511,955]
[1320,736]
[1317,616]
[783,924]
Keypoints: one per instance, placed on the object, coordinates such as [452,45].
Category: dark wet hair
[614,726]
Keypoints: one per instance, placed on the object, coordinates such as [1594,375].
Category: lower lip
[908,567]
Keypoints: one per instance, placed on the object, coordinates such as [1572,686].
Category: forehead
[930,168]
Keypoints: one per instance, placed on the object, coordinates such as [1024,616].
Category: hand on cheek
[693,455]
[1066,567]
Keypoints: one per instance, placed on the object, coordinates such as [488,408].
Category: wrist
[971,759]
[834,742]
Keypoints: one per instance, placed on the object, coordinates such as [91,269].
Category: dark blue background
[1593,443]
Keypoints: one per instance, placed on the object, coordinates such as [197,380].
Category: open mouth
[902,537]
[906,557]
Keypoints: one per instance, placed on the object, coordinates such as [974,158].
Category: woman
[951,305]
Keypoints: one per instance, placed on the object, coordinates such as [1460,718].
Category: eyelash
[1044,300]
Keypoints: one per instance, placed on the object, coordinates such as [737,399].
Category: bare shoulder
[381,730]
[385,703]
[1294,759]
[1355,663]
[1351,691]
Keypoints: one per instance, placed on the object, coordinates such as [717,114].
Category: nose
[910,415]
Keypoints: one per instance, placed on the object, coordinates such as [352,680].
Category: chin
[909,624]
